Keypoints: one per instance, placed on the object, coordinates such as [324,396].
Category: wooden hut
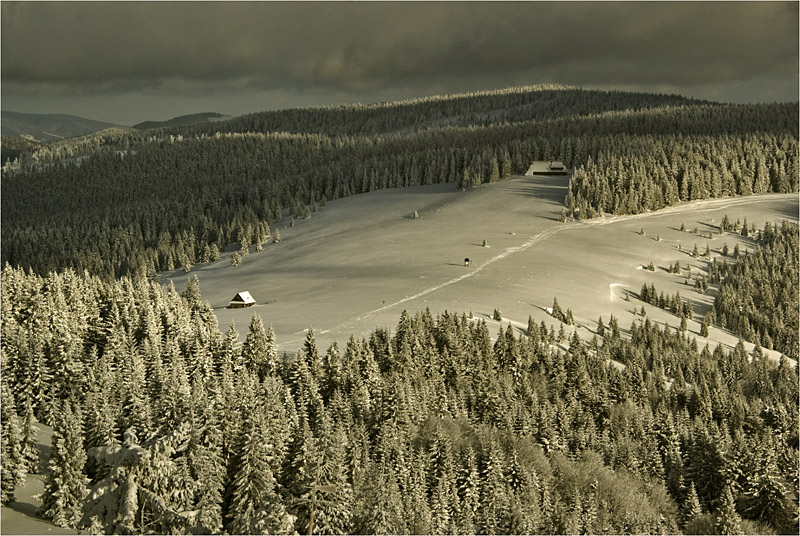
[242,299]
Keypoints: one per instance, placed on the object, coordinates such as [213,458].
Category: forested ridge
[164,424]
[511,105]
[121,203]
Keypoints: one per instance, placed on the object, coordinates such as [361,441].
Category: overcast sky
[126,62]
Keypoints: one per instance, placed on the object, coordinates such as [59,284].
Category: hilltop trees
[630,178]
[178,196]
[755,294]
[436,427]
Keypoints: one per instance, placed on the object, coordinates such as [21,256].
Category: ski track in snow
[704,205]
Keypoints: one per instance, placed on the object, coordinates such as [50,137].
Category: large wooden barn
[544,167]
[242,299]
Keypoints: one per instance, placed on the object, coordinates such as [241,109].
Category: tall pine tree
[65,484]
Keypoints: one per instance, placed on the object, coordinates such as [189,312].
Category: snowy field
[358,262]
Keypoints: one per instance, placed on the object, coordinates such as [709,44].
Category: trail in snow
[704,205]
[696,206]
[508,251]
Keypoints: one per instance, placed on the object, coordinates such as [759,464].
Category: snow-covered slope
[49,127]
[358,262]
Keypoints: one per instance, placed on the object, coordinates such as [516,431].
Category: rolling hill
[48,127]
[184,120]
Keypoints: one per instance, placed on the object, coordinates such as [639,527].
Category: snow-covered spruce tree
[271,364]
[414,493]
[690,509]
[493,512]
[524,486]
[229,356]
[305,391]
[300,470]
[113,502]
[192,293]
[766,495]
[468,482]
[205,462]
[136,409]
[214,256]
[13,464]
[726,520]
[127,500]
[65,485]
[100,413]
[331,371]
[311,353]
[175,400]
[332,511]
[256,351]
[381,507]
[557,313]
[441,481]
[29,446]
[254,507]
[166,486]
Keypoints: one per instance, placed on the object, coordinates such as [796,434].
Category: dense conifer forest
[432,429]
[162,423]
[758,295]
[120,203]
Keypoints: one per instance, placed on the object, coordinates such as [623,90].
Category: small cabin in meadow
[544,167]
[242,299]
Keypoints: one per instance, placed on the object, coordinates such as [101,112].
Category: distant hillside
[48,127]
[478,109]
[13,147]
[184,120]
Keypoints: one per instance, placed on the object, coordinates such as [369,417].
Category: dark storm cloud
[361,48]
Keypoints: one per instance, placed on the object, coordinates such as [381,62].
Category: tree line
[644,173]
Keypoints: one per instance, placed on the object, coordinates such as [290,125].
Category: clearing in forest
[359,261]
